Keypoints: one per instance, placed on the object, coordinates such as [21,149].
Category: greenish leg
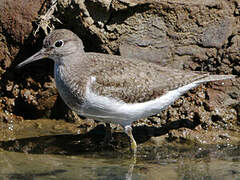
[128,131]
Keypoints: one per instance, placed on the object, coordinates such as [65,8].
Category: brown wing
[133,80]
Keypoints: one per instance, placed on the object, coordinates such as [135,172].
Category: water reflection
[152,163]
[130,170]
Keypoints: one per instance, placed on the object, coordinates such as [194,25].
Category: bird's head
[59,43]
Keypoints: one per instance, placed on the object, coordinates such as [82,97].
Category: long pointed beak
[39,55]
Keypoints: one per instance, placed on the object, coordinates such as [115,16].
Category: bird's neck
[73,58]
[67,68]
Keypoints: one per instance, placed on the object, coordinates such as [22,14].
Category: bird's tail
[214,78]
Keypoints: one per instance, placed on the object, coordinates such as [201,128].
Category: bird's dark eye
[59,43]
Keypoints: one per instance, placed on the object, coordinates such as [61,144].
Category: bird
[112,88]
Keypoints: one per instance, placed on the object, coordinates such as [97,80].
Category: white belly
[111,110]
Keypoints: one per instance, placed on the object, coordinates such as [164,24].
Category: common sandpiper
[111,88]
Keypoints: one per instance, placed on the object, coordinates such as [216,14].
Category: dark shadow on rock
[119,16]
[92,141]
[38,72]
[91,41]
[144,133]
[59,109]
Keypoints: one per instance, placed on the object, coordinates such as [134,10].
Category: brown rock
[215,35]
[17,17]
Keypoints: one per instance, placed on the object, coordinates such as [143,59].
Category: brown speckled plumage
[135,81]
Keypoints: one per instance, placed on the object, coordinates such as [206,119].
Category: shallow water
[219,162]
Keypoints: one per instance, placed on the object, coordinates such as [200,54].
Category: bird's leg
[128,131]
[108,134]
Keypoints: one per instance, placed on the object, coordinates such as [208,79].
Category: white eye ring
[59,43]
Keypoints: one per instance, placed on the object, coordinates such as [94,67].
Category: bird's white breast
[68,89]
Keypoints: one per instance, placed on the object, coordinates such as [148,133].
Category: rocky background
[197,35]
